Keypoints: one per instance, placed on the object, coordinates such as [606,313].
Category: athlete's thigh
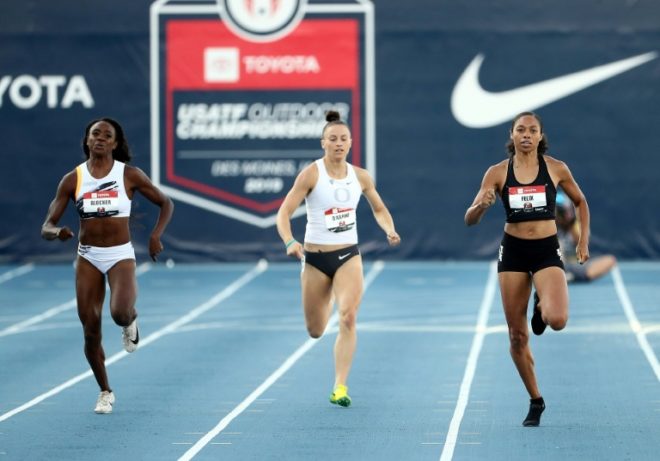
[348,284]
[515,288]
[90,291]
[551,287]
[123,285]
[316,293]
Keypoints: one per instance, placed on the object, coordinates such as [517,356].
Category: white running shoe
[104,402]
[130,337]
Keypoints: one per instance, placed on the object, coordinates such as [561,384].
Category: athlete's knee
[518,339]
[92,337]
[315,331]
[556,321]
[315,327]
[348,319]
[123,317]
[122,310]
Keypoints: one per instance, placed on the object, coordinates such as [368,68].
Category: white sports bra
[102,197]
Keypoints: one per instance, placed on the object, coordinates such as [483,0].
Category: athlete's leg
[552,290]
[515,288]
[597,267]
[123,292]
[90,292]
[348,287]
[317,299]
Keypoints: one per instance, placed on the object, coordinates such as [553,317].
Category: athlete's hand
[582,252]
[64,233]
[488,199]
[155,247]
[393,238]
[295,250]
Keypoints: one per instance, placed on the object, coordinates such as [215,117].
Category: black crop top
[529,202]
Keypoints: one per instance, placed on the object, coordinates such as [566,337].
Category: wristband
[291,242]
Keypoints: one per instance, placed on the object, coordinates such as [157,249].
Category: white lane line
[53,311]
[24,269]
[471,367]
[277,374]
[392,327]
[635,326]
[193,314]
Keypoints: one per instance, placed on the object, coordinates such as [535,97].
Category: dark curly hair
[122,152]
[543,143]
[333,118]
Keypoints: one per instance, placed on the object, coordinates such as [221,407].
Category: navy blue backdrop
[63,63]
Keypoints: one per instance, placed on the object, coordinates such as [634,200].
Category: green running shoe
[340,397]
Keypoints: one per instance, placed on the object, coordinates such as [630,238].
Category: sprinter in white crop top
[102,197]
[102,189]
[331,261]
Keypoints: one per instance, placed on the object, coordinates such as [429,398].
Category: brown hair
[333,118]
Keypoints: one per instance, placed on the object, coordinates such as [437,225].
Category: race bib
[340,219]
[527,197]
[101,203]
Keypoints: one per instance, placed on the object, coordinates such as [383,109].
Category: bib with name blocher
[100,204]
[102,197]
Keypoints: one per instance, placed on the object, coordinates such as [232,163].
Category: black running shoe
[536,407]
[538,325]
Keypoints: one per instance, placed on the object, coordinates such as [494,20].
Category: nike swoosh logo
[344,256]
[137,337]
[475,107]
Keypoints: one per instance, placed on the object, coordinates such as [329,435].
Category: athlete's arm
[486,197]
[573,191]
[65,191]
[380,211]
[303,184]
[138,181]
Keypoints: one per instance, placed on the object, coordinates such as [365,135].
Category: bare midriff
[325,248]
[104,232]
[532,230]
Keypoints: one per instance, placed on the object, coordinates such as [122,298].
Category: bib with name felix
[529,202]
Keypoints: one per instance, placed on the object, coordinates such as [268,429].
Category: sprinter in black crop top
[529,201]
[529,254]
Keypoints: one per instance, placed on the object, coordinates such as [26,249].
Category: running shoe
[104,402]
[536,407]
[340,397]
[538,325]
[130,337]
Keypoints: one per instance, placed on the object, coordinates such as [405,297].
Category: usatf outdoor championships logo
[240,89]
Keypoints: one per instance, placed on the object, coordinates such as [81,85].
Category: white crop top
[331,207]
[102,197]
